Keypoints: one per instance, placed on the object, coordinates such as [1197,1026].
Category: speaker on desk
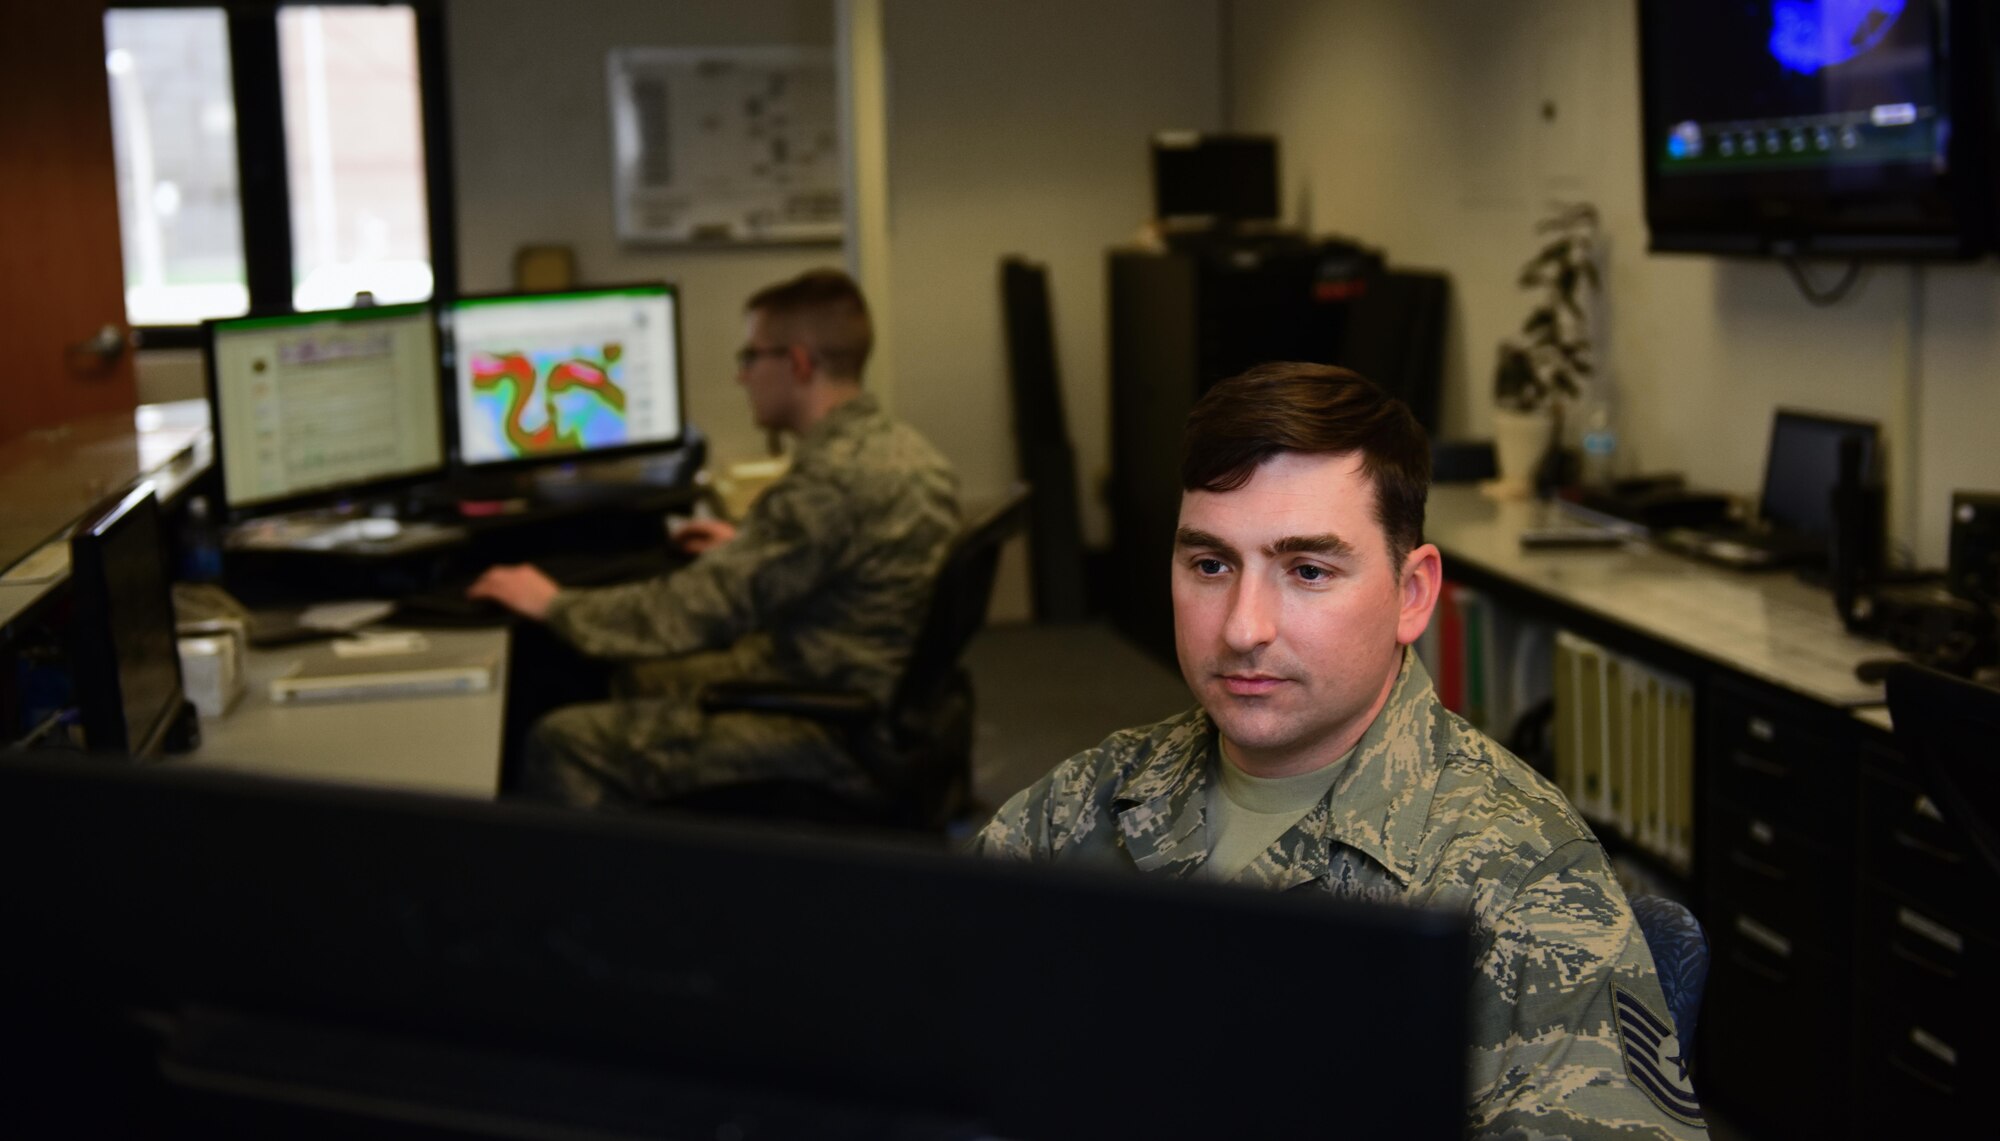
[1975,546]
[1855,549]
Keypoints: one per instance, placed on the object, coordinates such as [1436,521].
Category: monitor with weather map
[554,377]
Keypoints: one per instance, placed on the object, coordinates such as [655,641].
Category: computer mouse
[1875,670]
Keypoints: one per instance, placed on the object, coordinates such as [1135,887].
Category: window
[173,125]
[355,152]
[274,158]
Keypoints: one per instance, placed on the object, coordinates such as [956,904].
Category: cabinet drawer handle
[1935,1086]
[1930,929]
[1941,855]
[1757,764]
[1763,936]
[1936,1047]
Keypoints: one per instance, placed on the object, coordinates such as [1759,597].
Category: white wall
[1022,128]
[1416,125]
[532,151]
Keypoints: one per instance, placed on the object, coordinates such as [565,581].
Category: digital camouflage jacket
[834,563]
[1570,1035]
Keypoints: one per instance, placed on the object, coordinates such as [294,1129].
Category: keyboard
[610,570]
[449,607]
[1745,548]
[446,604]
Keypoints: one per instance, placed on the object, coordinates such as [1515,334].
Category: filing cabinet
[1778,874]
[1854,939]
[1927,961]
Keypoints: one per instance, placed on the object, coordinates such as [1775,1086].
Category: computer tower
[1975,546]
[1181,320]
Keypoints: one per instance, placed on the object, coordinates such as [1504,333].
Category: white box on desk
[212,671]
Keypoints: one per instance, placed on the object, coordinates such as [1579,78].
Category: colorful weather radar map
[541,402]
[548,376]
[1808,35]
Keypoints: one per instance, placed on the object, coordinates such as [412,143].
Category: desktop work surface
[415,740]
[1770,627]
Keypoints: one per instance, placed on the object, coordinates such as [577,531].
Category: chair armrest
[819,703]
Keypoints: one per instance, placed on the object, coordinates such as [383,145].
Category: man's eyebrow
[1191,537]
[1326,544]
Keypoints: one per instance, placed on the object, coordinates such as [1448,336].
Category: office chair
[1680,953]
[917,750]
[1947,727]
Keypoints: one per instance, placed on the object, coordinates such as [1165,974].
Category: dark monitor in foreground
[125,663]
[542,377]
[526,971]
[1803,465]
[315,406]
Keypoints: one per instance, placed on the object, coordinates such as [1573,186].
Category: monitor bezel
[93,643]
[448,376]
[332,494]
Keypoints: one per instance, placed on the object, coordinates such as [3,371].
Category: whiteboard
[725,145]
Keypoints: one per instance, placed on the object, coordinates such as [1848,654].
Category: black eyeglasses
[748,354]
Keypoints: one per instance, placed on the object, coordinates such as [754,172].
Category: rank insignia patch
[1654,1058]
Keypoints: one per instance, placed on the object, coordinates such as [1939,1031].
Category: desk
[1849,949]
[446,744]
[1764,625]
[51,477]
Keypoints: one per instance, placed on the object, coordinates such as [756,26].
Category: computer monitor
[537,971]
[1216,176]
[1804,464]
[552,377]
[314,406]
[125,663]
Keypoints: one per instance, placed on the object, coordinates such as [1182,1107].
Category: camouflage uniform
[826,582]
[1428,811]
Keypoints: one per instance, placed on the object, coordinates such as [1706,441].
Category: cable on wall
[1823,297]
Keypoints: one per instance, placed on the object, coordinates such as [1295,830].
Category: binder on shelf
[1568,766]
[1624,736]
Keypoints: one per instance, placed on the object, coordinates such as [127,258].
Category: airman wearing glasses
[822,582]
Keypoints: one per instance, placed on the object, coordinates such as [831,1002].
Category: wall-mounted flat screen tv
[1848,128]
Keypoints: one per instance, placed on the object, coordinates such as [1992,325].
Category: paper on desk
[351,615]
[378,643]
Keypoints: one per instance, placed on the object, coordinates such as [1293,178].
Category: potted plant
[1550,359]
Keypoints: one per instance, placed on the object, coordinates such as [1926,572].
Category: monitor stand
[583,483]
[433,517]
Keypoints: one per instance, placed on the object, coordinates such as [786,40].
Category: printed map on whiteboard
[725,144]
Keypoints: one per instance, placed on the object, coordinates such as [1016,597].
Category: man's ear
[801,360]
[1417,592]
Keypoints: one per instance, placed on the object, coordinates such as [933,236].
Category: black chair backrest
[959,600]
[1396,335]
[1948,728]
[1041,443]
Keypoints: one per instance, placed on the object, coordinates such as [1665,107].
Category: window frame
[263,185]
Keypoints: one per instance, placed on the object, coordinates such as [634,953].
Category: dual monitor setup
[314,408]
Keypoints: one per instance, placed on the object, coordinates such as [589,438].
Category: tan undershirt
[1246,814]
